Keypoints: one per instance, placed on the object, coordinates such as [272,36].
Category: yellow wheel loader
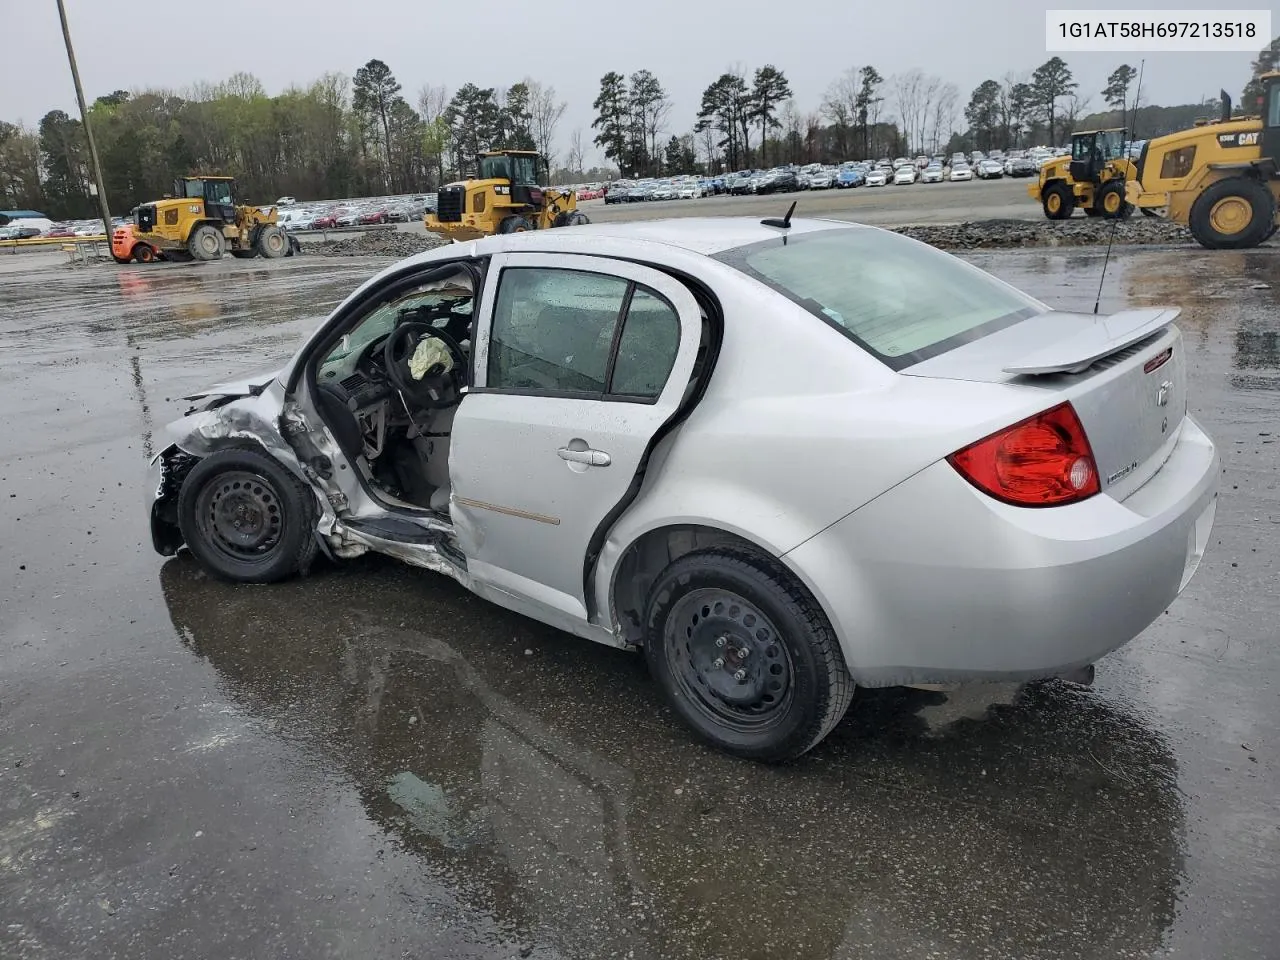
[201,221]
[1221,179]
[1092,178]
[504,198]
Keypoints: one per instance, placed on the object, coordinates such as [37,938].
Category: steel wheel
[238,514]
[727,658]
[1231,215]
[206,243]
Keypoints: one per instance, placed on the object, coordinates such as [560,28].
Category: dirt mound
[377,243]
[1076,232]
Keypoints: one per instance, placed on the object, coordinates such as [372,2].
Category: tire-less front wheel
[246,518]
[744,655]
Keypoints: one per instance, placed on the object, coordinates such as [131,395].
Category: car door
[578,362]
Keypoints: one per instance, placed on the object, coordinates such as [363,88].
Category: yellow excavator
[201,221]
[504,198]
[1221,178]
[1092,178]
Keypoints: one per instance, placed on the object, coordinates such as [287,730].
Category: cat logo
[1249,139]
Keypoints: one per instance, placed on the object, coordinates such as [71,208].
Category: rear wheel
[514,224]
[244,254]
[246,518]
[1233,214]
[1058,201]
[271,242]
[205,243]
[144,253]
[745,655]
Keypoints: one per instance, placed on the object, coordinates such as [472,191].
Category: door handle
[592,458]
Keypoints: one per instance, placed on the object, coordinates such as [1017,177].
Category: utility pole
[88,132]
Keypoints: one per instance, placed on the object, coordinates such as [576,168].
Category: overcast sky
[569,44]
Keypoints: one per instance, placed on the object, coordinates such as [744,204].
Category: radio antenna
[1129,132]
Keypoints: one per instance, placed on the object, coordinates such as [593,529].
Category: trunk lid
[1124,374]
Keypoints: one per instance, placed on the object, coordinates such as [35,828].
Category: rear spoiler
[1095,338]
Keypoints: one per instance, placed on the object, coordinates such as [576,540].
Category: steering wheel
[438,387]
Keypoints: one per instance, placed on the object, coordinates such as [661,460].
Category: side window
[1177,163]
[647,347]
[553,329]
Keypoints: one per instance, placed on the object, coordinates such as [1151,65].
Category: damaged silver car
[783,457]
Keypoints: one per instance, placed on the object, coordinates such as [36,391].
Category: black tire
[271,242]
[144,253]
[514,224]
[1233,191]
[243,485]
[1065,202]
[719,603]
[244,254]
[205,243]
[1109,201]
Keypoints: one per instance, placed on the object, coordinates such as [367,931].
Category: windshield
[900,299]
[516,169]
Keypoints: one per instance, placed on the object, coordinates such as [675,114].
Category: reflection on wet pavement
[373,762]
[583,819]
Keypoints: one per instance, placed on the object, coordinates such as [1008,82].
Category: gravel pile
[1077,232]
[377,243]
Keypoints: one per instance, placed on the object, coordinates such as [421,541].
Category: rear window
[901,300]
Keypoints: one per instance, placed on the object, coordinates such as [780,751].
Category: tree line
[360,135]
[339,137]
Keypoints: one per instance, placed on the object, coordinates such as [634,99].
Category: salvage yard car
[785,458]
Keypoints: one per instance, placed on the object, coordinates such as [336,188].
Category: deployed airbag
[429,353]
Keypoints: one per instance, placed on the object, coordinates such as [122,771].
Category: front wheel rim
[240,515]
[729,661]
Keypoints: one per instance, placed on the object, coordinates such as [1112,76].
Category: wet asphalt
[370,762]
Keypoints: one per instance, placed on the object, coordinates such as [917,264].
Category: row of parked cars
[959,167]
[353,213]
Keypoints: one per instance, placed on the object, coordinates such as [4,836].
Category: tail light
[1043,461]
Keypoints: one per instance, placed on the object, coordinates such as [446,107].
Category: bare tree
[1075,108]
[840,106]
[432,102]
[546,112]
[943,117]
[908,91]
[575,152]
[709,147]
[792,124]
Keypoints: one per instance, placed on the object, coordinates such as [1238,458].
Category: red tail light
[1044,461]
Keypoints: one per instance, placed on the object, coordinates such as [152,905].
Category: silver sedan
[785,458]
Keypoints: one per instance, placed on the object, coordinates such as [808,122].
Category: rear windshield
[901,300]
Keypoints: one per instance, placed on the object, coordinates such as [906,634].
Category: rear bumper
[935,582]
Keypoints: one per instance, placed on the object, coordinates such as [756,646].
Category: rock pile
[1076,232]
[377,243]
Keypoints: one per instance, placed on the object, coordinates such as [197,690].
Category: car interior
[389,388]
